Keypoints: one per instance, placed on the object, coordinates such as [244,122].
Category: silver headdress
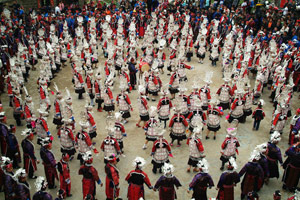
[203,165]
[40,183]
[138,162]
[168,169]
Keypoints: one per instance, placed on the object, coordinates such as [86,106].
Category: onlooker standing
[258,115]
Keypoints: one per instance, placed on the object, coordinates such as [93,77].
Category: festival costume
[227,182]
[229,146]
[84,144]
[64,176]
[291,169]
[124,105]
[253,177]
[136,179]
[201,182]
[49,166]
[13,150]
[29,158]
[273,156]
[110,146]
[90,176]
[112,181]
[165,185]
[178,125]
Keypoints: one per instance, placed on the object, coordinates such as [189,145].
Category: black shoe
[221,168]
[160,171]
[154,171]
[33,177]
[52,187]
[214,137]
[284,187]
[206,137]
[69,195]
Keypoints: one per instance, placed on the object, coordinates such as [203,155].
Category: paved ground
[135,139]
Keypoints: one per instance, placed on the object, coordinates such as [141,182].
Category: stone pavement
[135,139]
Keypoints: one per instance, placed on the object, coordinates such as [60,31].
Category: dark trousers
[149,5]
[18,119]
[15,158]
[31,171]
[256,124]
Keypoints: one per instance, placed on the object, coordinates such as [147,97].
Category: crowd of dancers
[137,47]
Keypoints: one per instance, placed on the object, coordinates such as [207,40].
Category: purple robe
[9,185]
[254,176]
[292,168]
[41,195]
[166,188]
[3,136]
[199,185]
[23,191]
[274,155]
[228,180]
[49,166]
[263,161]
[28,155]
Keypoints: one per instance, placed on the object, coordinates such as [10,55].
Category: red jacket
[90,176]
[163,141]
[185,123]
[28,113]
[199,144]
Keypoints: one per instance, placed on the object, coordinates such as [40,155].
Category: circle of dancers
[137,47]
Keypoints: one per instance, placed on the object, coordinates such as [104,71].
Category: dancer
[90,176]
[124,104]
[83,142]
[151,127]
[214,113]
[201,182]
[58,108]
[112,188]
[29,159]
[166,184]
[163,107]
[98,91]
[110,145]
[136,179]
[67,139]
[22,189]
[119,130]
[229,146]
[160,153]
[295,127]
[196,149]
[49,163]
[8,179]
[274,155]
[41,186]
[254,175]
[143,106]
[42,130]
[178,125]
[228,181]
[13,150]
[291,168]
[258,115]
[64,175]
